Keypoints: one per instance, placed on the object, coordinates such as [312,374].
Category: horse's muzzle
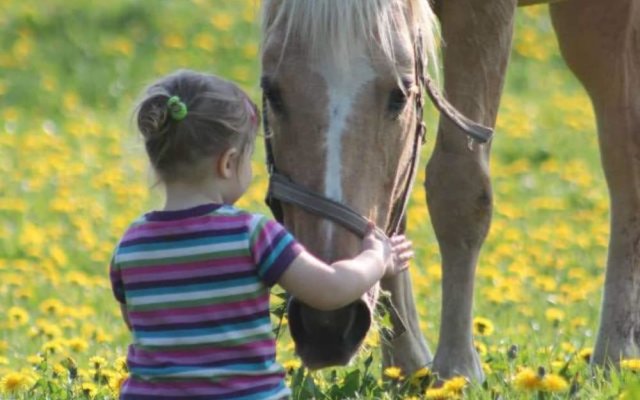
[328,338]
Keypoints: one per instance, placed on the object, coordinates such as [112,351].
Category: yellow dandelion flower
[77,345]
[585,354]
[554,383]
[104,374]
[52,307]
[393,373]
[291,365]
[578,322]
[59,370]
[121,364]
[481,348]
[89,389]
[567,347]
[554,315]
[52,347]
[456,384]
[222,21]
[527,379]
[18,316]
[486,368]
[372,339]
[116,382]
[24,293]
[421,373]
[632,364]
[97,362]
[439,394]
[173,41]
[482,326]
[250,50]
[50,331]
[35,359]
[103,337]
[13,382]
[204,41]
[557,364]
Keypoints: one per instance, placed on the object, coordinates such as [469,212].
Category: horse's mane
[339,25]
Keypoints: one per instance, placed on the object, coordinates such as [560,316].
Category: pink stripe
[187,311]
[204,313]
[265,238]
[197,387]
[158,228]
[202,355]
[188,269]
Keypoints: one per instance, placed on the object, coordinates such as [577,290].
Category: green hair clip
[177,109]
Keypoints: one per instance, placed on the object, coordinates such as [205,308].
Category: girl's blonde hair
[219,115]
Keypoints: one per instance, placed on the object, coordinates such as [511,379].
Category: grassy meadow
[74,174]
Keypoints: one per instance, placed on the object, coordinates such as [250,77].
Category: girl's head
[188,119]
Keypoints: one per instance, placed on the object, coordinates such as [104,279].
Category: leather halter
[283,189]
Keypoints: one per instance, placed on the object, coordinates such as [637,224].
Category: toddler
[193,278]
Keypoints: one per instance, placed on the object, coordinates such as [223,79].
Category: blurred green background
[74,175]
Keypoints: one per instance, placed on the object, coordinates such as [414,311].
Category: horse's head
[340,82]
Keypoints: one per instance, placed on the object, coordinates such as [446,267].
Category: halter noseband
[283,189]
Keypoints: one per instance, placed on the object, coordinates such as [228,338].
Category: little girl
[193,279]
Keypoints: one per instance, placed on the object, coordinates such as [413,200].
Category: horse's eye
[273,96]
[397,102]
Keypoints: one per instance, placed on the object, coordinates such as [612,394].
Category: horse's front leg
[600,42]
[477,40]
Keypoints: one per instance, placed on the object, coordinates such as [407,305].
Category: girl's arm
[327,287]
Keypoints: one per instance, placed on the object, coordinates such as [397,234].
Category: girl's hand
[373,240]
[401,254]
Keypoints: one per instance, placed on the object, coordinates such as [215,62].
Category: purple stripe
[231,319]
[209,268]
[199,387]
[263,347]
[177,237]
[282,263]
[201,223]
[256,360]
[168,215]
[159,316]
[266,238]
[179,281]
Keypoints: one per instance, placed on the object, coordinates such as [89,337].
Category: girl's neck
[181,195]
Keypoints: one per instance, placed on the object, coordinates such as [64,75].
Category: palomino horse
[340,78]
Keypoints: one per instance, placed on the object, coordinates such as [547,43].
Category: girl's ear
[226,163]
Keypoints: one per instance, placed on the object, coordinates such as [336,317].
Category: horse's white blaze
[342,88]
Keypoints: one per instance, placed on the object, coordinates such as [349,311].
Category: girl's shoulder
[255,222]
[231,210]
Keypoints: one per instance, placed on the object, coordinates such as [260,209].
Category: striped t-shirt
[195,284]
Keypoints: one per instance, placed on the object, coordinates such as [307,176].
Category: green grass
[74,175]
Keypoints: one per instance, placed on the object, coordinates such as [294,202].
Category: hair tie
[177,109]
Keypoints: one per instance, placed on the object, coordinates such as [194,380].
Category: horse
[342,84]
